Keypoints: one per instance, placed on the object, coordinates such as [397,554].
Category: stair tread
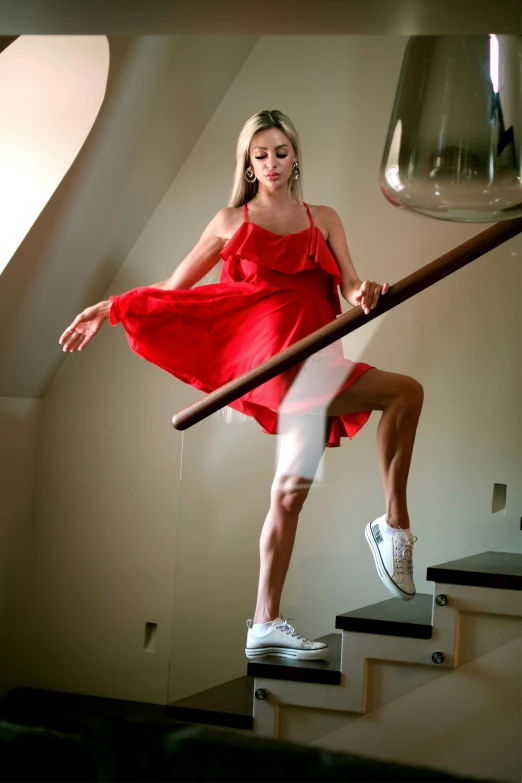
[234,699]
[501,570]
[327,671]
[392,617]
[217,705]
[66,711]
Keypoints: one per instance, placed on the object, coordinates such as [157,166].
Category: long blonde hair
[242,190]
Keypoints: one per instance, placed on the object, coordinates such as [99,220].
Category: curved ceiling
[51,90]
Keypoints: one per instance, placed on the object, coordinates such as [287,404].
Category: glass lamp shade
[453,146]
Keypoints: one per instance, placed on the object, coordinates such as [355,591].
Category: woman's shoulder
[322,211]
[228,213]
[323,217]
[226,221]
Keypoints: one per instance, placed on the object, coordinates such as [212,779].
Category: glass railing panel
[227,482]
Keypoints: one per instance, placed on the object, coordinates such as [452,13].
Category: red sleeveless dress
[274,289]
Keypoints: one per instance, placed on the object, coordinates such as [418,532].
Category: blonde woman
[284,263]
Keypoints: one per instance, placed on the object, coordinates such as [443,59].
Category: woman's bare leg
[303,448]
[400,398]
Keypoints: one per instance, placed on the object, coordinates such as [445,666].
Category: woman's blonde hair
[242,190]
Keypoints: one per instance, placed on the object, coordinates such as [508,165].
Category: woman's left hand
[366,293]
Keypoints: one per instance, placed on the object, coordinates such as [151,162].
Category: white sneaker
[281,639]
[392,552]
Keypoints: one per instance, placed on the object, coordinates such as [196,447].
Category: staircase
[426,669]
[391,652]
[438,677]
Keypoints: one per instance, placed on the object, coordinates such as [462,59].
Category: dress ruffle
[311,253]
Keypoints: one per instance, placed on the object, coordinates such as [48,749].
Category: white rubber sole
[287,652]
[384,576]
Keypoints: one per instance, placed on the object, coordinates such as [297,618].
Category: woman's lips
[273,176]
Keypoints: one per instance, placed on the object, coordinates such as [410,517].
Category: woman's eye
[262,157]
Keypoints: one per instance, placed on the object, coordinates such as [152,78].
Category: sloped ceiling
[271,17]
[161,92]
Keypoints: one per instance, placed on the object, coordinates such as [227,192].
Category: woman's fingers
[84,327]
[70,329]
[364,295]
[65,339]
[367,290]
[72,341]
[85,338]
[78,334]
[375,296]
[66,334]
[370,292]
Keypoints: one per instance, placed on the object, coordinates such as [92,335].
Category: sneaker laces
[404,552]
[287,628]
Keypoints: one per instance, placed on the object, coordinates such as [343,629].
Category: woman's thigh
[374,390]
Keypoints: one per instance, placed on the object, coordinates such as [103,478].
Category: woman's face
[271,153]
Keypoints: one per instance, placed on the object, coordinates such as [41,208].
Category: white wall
[107,522]
[162,91]
[19,420]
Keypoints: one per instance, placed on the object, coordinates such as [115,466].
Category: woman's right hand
[85,326]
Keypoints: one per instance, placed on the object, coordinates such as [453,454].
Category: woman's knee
[411,395]
[290,492]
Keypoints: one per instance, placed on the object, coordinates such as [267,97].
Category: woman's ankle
[398,521]
[264,617]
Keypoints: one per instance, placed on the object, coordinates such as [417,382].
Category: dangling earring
[249,175]
[295,170]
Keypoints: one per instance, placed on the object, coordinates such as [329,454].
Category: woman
[283,262]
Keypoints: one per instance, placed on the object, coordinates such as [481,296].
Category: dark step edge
[227,704]
[70,712]
[326,672]
[231,720]
[499,570]
[384,628]
[474,578]
[293,674]
[392,617]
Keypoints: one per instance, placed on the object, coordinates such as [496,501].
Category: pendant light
[453,149]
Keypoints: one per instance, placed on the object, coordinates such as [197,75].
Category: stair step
[392,617]
[229,704]
[501,570]
[70,712]
[327,672]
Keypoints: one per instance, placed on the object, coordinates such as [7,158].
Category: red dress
[273,291]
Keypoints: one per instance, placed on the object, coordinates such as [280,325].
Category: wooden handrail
[397,293]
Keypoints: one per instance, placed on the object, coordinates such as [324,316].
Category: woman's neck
[274,201]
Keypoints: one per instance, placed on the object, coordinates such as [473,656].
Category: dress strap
[245,212]
[309,214]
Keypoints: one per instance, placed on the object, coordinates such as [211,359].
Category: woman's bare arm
[203,257]
[339,246]
[356,291]
[196,265]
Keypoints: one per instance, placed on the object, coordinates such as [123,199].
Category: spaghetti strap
[309,214]
[245,212]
